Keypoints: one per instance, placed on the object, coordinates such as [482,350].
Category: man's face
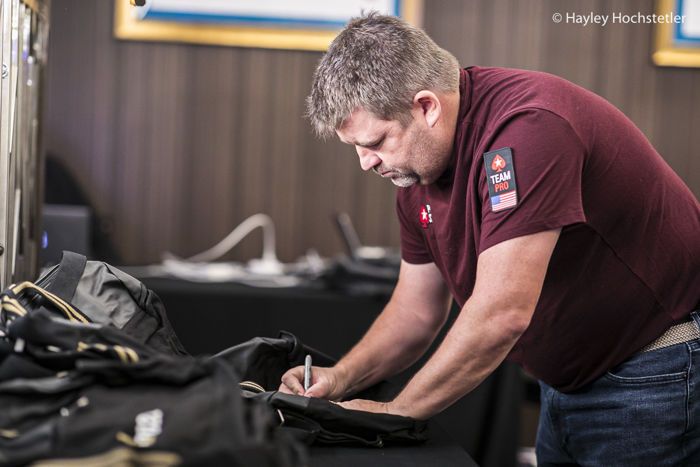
[405,155]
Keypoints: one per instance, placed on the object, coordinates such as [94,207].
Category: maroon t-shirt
[627,263]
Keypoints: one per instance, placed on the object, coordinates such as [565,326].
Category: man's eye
[376,145]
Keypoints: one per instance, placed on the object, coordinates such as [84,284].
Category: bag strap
[68,275]
[10,303]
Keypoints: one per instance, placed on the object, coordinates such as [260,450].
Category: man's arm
[508,284]
[398,337]
[403,331]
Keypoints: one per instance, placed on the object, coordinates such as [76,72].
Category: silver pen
[307,372]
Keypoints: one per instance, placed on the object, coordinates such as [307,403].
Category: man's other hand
[374,406]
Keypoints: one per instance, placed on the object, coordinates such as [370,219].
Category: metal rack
[24,30]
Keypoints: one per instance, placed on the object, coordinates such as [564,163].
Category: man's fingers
[314,390]
[292,382]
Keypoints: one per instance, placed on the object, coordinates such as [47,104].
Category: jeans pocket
[656,366]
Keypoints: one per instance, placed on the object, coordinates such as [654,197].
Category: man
[569,243]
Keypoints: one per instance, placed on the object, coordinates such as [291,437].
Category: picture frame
[295,25]
[677,44]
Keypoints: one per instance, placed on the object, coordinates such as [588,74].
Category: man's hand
[367,406]
[390,408]
[398,337]
[326,383]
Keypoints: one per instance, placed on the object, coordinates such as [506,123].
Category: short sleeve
[548,158]
[413,246]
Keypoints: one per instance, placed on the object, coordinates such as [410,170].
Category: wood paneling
[176,144]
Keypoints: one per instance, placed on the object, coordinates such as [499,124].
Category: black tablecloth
[439,451]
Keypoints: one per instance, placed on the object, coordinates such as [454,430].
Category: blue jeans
[644,412]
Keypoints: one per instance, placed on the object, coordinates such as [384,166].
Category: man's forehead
[359,117]
[362,127]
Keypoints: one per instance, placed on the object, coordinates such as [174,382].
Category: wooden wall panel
[176,144]
[613,61]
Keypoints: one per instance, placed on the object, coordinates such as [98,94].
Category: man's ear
[429,106]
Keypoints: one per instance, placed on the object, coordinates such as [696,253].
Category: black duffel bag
[101,294]
[261,362]
[75,394]
[91,373]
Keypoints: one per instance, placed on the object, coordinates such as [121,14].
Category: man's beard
[425,154]
[405,180]
[402,178]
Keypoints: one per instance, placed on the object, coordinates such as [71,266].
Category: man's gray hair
[377,63]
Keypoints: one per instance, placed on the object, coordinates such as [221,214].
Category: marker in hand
[307,372]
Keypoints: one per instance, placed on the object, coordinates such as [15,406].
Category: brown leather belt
[676,334]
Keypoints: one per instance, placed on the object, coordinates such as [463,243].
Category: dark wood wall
[176,144]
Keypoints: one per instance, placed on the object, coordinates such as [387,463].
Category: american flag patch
[504,201]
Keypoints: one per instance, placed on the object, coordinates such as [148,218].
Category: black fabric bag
[104,295]
[261,362]
[84,394]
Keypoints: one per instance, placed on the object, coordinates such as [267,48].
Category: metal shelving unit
[24,30]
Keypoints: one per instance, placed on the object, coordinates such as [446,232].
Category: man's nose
[368,158]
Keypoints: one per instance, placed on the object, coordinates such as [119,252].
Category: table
[440,450]
[209,317]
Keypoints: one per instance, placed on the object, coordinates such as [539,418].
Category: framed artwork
[274,24]
[677,41]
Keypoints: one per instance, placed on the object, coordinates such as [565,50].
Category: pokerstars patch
[500,176]
[426,216]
